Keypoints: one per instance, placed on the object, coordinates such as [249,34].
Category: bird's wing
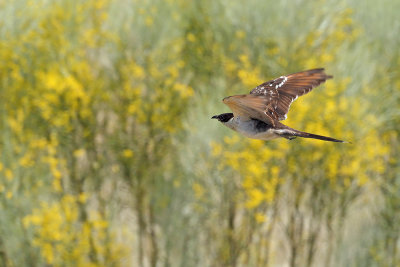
[282,91]
[252,107]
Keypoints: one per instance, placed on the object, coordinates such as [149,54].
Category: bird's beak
[214,117]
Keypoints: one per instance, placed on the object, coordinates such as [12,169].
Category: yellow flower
[26,161]
[191,37]
[232,140]
[82,198]
[48,253]
[56,173]
[173,71]
[100,224]
[273,51]
[230,66]
[244,59]
[260,217]
[9,174]
[248,183]
[255,198]
[149,21]
[57,185]
[275,171]
[326,58]
[216,149]
[79,152]
[255,169]
[240,34]
[39,143]
[198,190]
[133,108]
[176,183]
[184,90]
[127,153]
[250,78]
[137,71]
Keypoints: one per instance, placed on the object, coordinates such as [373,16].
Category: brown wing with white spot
[281,92]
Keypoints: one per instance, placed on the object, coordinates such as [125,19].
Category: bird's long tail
[292,133]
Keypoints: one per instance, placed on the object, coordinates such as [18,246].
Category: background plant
[109,156]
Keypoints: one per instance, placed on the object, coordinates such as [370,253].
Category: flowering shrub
[109,158]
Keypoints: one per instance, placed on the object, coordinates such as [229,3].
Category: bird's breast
[256,129]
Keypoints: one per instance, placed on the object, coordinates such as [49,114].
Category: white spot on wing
[282,82]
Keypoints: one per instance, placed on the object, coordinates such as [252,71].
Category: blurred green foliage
[109,156]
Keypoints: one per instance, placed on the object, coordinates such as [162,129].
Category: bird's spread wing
[251,107]
[278,94]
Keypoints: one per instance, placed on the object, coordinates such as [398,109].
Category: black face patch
[223,117]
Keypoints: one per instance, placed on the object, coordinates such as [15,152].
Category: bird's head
[225,117]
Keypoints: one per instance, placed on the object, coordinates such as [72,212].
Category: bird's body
[254,129]
[258,114]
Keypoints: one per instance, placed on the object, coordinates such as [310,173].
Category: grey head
[224,117]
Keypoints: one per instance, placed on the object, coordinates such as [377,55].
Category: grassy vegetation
[109,157]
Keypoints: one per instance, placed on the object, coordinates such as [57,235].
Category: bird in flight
[257,115]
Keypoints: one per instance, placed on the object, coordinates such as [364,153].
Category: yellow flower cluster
[264,166]
[153,92]
[82,102]
[64,240]
[254,162]
[97,95]
[248,75]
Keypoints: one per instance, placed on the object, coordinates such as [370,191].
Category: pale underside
[251,129]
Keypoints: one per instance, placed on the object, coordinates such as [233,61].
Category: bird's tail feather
[292,133]
[316,136]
